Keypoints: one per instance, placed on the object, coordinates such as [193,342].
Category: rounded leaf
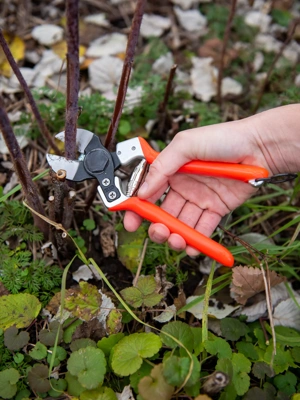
[8,379]
[88,365]
[38,378]
[128,354]
[179,331]
[39,351]
[13,340]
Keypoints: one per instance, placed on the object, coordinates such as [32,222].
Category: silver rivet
[112,195]
[133,148]
[105,182]
[119,152]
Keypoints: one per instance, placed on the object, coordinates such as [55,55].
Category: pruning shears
[95,161]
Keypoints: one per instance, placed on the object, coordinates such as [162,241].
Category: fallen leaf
[97,19]
[185,4]
[105,73]
[191,20]
[258,20]
[17,48]
[49,65]
[154,25]
[215,309]
[47,34]
[85,273]
[166,315]
[213,48]
[246,282]
[61,49]
[163,64]
[107,240]
[126,394]
[107,45]
[287,313]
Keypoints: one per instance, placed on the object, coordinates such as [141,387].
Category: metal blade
[83,138]
[70,166]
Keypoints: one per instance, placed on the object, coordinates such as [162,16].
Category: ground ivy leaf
[176,370]
[154,386]
[47,336]
[84,303]
[88,365]
[248,349]
[38,378]
[58,386]
[132,296]
[218,347]
[180,331]
[18,310]
[296,354]
[286,383]
[69,331]
[39,351]
[60,355]
[139,374]
[103,393]
[128,354]
[233,329]
[241,367]
[225,365]
[282,359]
[14,340]
[260,369]
[74,387]
[107,343]
[81,343]
[8,379]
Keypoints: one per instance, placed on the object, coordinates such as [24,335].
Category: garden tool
[95,161]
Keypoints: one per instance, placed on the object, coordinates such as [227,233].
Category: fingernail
[143,189]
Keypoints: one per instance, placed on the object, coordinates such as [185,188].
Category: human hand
[201,201]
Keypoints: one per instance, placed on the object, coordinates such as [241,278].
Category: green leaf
[198,344]
[8,379]
[282,359]
[23,394]
[74,387]
[287,336]
[180,331]
[176,370]
[88,365]
[60,355]
[58,386]
[84,303]
[260,369]
[286,383]
[38,378]
[103,393]
[39,351]
[18,358]
[18,309]
[13,340]
[47,336]
[124,127]
[248,349]
[81,343]
[218,347]
[89,224]
[154,386]
[233,329]
[143,294]
[107,343]
[69,331]
[240,379]
[128,354]
[295,352]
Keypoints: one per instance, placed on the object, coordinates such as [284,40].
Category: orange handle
[239,172]
[153,213]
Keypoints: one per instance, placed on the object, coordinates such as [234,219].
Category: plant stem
[127,66]
[72,79]
[41,124]
[29,188]
[225,42]
[272,66]
[206,302]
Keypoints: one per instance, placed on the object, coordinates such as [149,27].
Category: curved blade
[70,166]
[83,138]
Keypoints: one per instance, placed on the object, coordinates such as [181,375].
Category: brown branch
[225,42]
[272,66]
[73,78]
[127,66]
[29,188]
[41,124]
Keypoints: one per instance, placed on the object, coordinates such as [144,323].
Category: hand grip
[239,172]
[153,213]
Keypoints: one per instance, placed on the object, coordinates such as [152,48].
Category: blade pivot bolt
[105,182]
[112,195]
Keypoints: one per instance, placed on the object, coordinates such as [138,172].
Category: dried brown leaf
[248,281]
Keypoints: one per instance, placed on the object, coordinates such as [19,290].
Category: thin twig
[29,188]
[225,42]
[73,78]
[41,124]
[272,66]
[127,66]
[138,272]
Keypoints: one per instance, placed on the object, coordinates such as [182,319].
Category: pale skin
[270,139]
